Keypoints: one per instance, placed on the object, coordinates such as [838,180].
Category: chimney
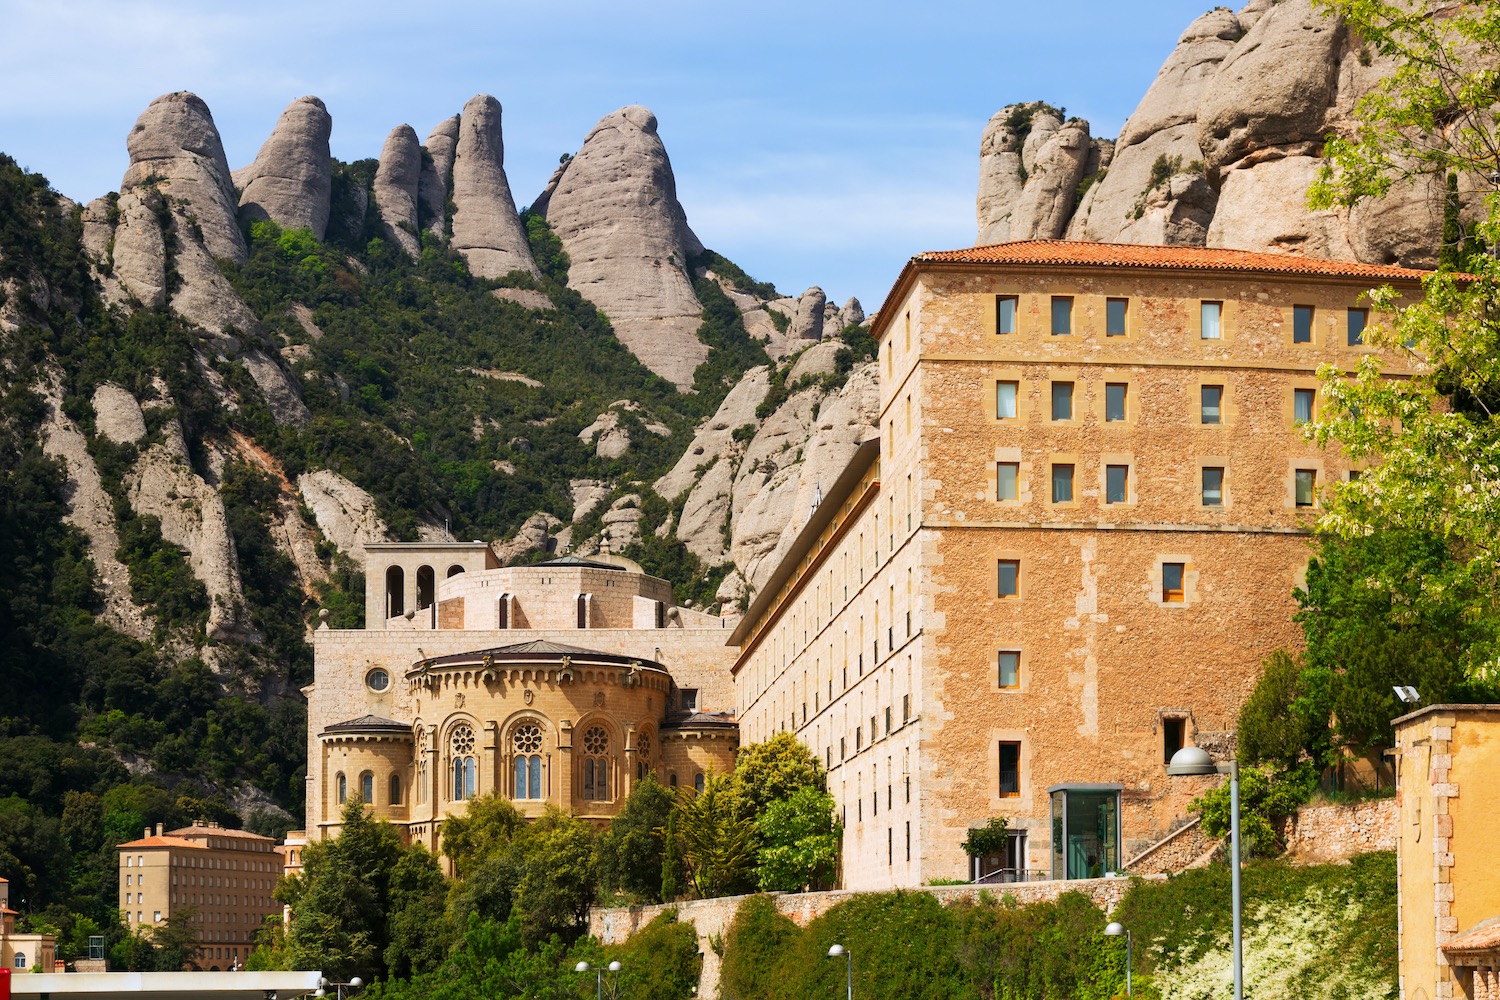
[158,829]
[147,833]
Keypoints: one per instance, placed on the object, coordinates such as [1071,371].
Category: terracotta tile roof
[155,841]
[1078,254]
[1483,937]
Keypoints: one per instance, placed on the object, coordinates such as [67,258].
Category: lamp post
[338,988]
[598,974]
[1115,929]
[838,951]
[1190,761]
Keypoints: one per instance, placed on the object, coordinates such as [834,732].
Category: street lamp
[1190,761]
[338,988]
[838,951]
[1115,929]
[598,974]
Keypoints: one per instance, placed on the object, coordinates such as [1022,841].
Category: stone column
[563,771]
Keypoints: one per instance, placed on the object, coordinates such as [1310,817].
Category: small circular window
[378,679]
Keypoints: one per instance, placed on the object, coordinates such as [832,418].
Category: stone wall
[1178,850]
[1333,833]
[711,917]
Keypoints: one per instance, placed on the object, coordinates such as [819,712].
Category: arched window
[367,788]
[421,756]
[342,784]
[426,587]
[394,789]
[698,782]
[672,780]
[454,571]
[596,765]
[395,592]
[465,767]
[20,960]
[642,755]
[526,741]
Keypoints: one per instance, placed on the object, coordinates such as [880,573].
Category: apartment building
[1065,556]
[222,878]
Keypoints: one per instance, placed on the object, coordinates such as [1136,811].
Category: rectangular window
[1114,317]
[1010,668]
[1062,484]
[1006,474]
[1116,483]
[1302,324]
[1307,487]
[1211,407]
[905,709]
[1171,738]
[1010,577]
[1005,400]
[1302,405]
[1114,401]
[859,737]
[1010,769]
[1171,583]
[1358,319]
[1062,315]
[1005,314]
[888,720]
[1210,314]
[1213,487]
[1062,400]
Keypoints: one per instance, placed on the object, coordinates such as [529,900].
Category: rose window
[463,741]
[528,738]
[596,740]
[643,744]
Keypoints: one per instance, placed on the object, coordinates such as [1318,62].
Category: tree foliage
[630,854]
[1432,439]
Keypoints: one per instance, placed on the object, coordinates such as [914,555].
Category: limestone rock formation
[163,483]
[1223,146]
[397,183]
[346,514]
[117,416]
[177,213]
[91,511]
[291,180]
[534,535]
[587,494]
[1030,165]
[437,174]
[175,147]
[714,435]
[614,207]
[486,227]
[749,496]
[816,360]
[807,321]
[851,313]
[610,431]
[622,523]
[801,454]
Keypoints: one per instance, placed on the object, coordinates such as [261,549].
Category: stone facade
[1448,763]
[1319,834]
[224,877]
[711,918]
[1139,603]
[561,684]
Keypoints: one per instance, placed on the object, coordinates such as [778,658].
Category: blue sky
[813,143]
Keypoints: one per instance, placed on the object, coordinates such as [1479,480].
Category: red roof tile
[154,841]
[1483,937]
[1078,254]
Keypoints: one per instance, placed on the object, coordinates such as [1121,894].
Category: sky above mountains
[812,142]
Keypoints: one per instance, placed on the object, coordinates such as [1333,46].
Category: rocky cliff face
[486,227]
[1220,151]
[292,177]
[614,206]
[177,216]
[397,186]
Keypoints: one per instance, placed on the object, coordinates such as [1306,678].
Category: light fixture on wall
[1407,693]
